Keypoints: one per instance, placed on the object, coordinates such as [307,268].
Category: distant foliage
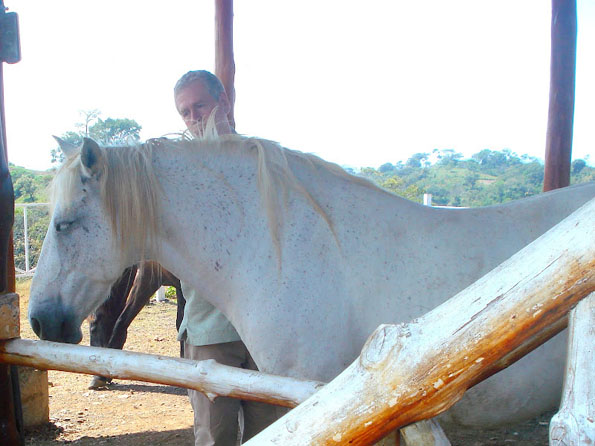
[29,186]
[488,177]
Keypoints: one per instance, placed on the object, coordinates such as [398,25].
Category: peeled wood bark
[205,376]
[574,424]
[412,371]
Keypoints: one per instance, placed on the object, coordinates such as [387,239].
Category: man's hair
[212,82]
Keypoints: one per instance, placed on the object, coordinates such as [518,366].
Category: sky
[357,83]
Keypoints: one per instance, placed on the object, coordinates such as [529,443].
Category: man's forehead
[195,88]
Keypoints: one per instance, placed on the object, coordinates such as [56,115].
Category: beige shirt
[202,323]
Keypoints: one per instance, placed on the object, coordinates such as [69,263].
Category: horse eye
[63,226]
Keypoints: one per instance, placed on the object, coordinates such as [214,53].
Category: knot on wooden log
[563,430]
[387,340]
[205,366]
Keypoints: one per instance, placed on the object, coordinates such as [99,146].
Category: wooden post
[225,68]
[9,328]
[413,371]
[574,424]
[427,199]
[558,145]
[160,294]
[7,274]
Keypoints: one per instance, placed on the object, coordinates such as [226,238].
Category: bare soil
[131,413]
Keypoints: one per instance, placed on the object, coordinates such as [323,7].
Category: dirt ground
[131,413]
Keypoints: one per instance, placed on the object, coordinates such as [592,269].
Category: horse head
[80,258]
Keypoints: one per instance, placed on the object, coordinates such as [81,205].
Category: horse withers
[304,259]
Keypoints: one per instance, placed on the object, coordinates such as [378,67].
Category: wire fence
[30,227]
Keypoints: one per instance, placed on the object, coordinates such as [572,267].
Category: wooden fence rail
[208,376]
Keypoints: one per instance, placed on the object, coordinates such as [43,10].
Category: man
[202,102]
[197,95]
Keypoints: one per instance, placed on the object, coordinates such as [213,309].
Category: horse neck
[211,225]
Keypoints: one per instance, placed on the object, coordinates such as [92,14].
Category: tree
[109,132]
[416,160]
[470,179]
[113,131]
[577,166]
[448,157]
[25,187]
[88,117]
[386,167]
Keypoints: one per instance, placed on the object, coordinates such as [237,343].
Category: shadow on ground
[121,387]
[48,434]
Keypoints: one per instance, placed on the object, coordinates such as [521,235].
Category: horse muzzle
[55,323]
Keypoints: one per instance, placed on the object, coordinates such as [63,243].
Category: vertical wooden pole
[7,274]
[225,68]
[10,435]
[558,146]
[9,391]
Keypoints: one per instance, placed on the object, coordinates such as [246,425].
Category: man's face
[195,104]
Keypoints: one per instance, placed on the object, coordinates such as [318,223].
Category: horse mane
[275,174]
[129,186]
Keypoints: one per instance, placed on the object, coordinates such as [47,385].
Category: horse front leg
[180,314]
[147,282]
[104,319]
[168,279]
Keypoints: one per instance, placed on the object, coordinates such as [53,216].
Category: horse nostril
[64,332]
[36,326]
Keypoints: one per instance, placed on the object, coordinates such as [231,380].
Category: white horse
[304,259]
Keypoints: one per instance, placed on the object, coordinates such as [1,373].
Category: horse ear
[69,150]
[92,158]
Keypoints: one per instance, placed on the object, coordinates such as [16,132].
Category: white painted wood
[26,235]
[574,424]
[427,199]
[408,372]
[160,295]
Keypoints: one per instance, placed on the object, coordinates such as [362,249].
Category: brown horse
[129,294]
